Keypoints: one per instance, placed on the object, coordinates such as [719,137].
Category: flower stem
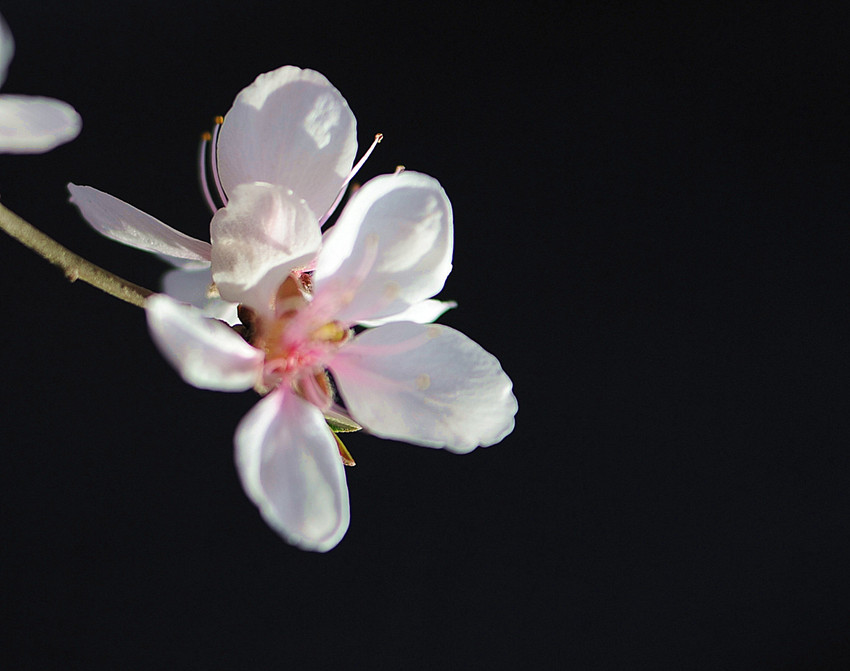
[75,267]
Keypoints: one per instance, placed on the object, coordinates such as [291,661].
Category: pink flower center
[296,342]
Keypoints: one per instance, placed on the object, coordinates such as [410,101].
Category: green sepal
[340,424]
[347,459]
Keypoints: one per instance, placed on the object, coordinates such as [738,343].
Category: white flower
[290,136]
[31,124]
[426,384]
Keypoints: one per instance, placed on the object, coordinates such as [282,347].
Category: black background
[651,212]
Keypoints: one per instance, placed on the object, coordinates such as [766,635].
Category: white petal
[291,127]
[28,124]
[7,49]
[429,385]
[193,286]
[257,239]
[291,469]
[391,247]
[185,264]
[421,313]
[33,124]
[206,353]
[124,223]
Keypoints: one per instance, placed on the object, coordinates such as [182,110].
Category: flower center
[296,342]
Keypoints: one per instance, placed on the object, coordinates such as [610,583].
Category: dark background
[651,212]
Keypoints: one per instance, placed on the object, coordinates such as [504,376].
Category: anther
[375,143]
[330,332]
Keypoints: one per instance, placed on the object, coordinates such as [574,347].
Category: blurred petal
[124,223]
[257,239]
[421,313]
[193,286]
[291,469]
[291,127]
[33,125]
[391,247]
[206,353]
[429,385]
[7,49]
[185,264]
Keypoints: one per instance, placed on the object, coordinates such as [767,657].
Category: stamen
[358,165]
[306,281]
[202,160]
[330,332]
[214,158]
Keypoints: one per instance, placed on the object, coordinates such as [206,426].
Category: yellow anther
[330,332]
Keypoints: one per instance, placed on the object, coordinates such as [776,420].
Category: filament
[214,158]
[202,172]
[378,138]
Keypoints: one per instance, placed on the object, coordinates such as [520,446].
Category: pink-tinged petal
[205,352]
[421,313]
[291,127]
[7,49]
[185,264]
[34,125]
[390,249]
[193,286]
[291,469]
[124,223]
[30,124]
[262,234]
[429,385]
